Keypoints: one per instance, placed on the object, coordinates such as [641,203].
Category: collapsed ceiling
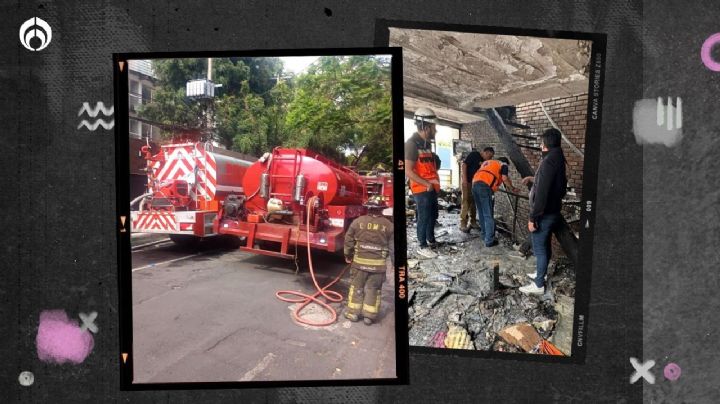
[459,74]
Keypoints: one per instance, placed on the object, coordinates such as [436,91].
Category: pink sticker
[672,371]
[61,340]
[705,52]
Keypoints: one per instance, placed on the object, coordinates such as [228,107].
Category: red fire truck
[292,197]
[186,182]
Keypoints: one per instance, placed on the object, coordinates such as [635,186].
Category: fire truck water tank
[229,172]
[291,174]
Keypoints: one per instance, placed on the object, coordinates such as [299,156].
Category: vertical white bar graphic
[669,110]
[678,113]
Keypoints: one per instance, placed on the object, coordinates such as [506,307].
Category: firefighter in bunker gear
[368,244]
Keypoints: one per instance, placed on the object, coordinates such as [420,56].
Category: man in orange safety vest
[486,181]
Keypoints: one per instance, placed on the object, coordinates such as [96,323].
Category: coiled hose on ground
[305,299]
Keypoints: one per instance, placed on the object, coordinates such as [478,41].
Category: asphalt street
[207,314]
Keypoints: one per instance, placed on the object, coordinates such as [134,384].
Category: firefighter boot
[356,295]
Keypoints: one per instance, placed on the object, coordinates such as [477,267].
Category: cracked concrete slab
[463,72]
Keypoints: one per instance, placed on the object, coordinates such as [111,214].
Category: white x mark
[642,371]
[88,322]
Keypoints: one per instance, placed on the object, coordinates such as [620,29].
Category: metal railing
[514,206]
[513,199]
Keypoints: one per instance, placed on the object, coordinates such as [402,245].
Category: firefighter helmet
[376,201]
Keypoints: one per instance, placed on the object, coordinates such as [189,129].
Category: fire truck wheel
[231,241]
[185,240]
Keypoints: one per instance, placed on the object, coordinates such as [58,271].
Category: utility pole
[203,92]
[209,106]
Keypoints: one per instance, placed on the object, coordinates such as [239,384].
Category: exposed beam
[530,93]
[421,90]
[411,114]
[450,113]
[411,90]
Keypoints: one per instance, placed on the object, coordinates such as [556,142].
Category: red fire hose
[305,299]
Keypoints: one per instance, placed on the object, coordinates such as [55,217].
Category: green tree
[244,110]
[342,106]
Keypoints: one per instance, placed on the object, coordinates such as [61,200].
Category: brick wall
[569,113]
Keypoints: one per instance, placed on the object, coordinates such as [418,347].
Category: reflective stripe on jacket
[369,242]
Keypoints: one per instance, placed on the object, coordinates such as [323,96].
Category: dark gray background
[681,229]
[58,193]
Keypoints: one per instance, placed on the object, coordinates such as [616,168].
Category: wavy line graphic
[98,107]
[99,122]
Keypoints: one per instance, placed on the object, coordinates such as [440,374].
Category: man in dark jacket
[368,245]
[548,189]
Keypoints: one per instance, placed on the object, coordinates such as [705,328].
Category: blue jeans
[542,247]
[484,202]
[426,203]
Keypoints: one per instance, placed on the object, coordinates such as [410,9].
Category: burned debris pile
[449,199]
[468,297]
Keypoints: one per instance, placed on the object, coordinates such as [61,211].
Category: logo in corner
[38,30]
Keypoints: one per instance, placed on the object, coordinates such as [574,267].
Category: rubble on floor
[449,199]
[469,294]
